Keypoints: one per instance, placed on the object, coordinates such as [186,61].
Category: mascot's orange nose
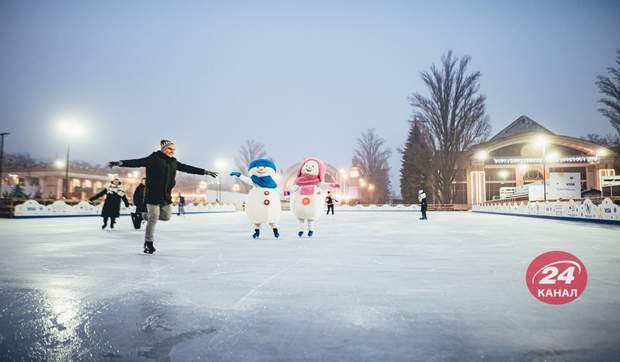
[305,201]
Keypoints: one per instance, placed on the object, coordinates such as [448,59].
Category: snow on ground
[368,286]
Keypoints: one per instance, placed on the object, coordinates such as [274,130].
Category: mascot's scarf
[309,182]
[119,190]
[264,181]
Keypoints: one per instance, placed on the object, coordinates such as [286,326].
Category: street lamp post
[69,129]
[66,191]
[542,141]
[2,158]
[544,172]
[220,165]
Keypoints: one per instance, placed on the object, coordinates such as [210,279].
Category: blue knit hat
[262,162]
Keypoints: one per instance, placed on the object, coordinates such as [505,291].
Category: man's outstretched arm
[138,162]
[194,170]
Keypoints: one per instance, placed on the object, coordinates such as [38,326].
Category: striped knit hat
[165,143]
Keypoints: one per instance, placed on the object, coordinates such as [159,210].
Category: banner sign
[608,181]
[539,160]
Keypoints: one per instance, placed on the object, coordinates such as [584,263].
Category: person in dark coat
[112,204]
[181,205]
[329,200]
[138,201]
[423,204]
[161,170]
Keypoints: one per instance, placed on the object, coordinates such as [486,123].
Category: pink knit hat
[322,167]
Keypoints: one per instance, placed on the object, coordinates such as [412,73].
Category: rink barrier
[32,209]
[606,212]
[379,208]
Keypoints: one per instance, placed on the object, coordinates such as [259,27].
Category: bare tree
[372,157]
[454,113]
[248,152]
[610,89]
[21,161]
[608,140]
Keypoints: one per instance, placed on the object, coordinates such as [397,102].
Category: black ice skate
[150,249]
[276,233]
[104,225]
[256,234]
[300,234]
[310,233]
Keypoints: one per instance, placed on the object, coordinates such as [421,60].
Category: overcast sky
[305,78]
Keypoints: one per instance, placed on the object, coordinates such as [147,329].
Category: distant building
[520,154]
[47,181]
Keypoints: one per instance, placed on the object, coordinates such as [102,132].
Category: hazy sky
[305,78]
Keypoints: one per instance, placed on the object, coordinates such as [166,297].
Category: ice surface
[369,286]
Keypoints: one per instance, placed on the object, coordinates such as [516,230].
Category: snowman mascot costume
[307,197]
[263,203]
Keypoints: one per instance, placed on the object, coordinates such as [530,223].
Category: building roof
[523,124]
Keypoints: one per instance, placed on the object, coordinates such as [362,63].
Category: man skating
[161,169]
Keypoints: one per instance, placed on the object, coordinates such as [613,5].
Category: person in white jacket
[263,203]
[423,204]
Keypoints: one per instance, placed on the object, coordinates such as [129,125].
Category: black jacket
[423,204]
[161,171]
[138,198]
[112,205]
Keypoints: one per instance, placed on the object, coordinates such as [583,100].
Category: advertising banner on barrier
[564,185]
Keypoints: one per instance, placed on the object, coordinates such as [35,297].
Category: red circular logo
[305,201]
[556,277]
[266,202]
[266,193]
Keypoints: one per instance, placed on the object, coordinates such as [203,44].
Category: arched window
[76,185]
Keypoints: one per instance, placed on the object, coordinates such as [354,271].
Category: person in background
[329,200]
[138,201]
[423,204]
[181,205]
[112,205]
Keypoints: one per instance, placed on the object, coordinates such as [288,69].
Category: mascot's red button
[266,202]
[305,201]
[266,193]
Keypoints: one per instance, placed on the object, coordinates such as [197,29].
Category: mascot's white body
[308,193]
[263,205]
[263,202]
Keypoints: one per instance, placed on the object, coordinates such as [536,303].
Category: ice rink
[369,286]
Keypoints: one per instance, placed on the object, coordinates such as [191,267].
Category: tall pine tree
[415,170]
